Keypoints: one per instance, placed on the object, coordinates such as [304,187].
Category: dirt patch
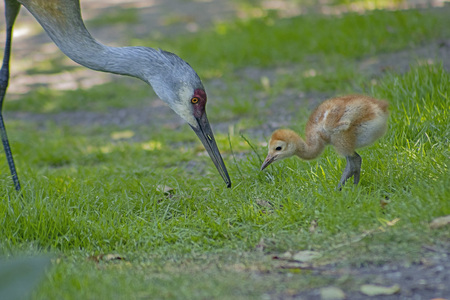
[427,279]
[400,62]
[280,112]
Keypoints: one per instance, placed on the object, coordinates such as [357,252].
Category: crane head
[201,127]
[177,84]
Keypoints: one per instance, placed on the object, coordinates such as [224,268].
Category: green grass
[115,16]
[98,98]
[86,193]
[269,41]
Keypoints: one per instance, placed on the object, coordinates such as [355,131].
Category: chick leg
[353,168]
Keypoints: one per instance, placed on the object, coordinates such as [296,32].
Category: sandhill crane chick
[348,123]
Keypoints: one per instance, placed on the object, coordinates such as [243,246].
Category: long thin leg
[353,168]
[12,8]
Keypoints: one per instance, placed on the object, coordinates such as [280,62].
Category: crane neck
[62,21]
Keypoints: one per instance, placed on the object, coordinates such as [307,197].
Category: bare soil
[427,279]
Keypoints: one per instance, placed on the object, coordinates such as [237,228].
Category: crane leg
[12,8]
[353,168]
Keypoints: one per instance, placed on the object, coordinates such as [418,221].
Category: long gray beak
[269,159]
[206,136]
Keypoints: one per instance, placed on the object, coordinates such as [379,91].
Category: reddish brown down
[348,123]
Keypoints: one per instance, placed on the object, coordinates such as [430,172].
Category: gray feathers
[173,79]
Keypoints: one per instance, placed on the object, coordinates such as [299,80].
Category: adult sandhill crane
[173,80]
[347,123]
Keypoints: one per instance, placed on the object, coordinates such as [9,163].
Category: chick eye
[278,148]
[194,100]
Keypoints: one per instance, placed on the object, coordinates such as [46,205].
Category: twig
[253,148]
[430,248]
[234,157]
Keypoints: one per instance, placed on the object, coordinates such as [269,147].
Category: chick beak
[269,159]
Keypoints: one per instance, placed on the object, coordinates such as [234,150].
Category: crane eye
[194,100]
[278,148]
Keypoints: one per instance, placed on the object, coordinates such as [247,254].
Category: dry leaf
[285,256]
[260,246]
[105,257]
[387,223]
[306,256]
[119,135]
[384,203]
[151,145]
[313,226]
[295,266]
[265,82]
[393,222]
[301,256]
[264,203]
[164,189]
[331,293]
[440,222]
[109,257]
[376,290]
[95,258]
